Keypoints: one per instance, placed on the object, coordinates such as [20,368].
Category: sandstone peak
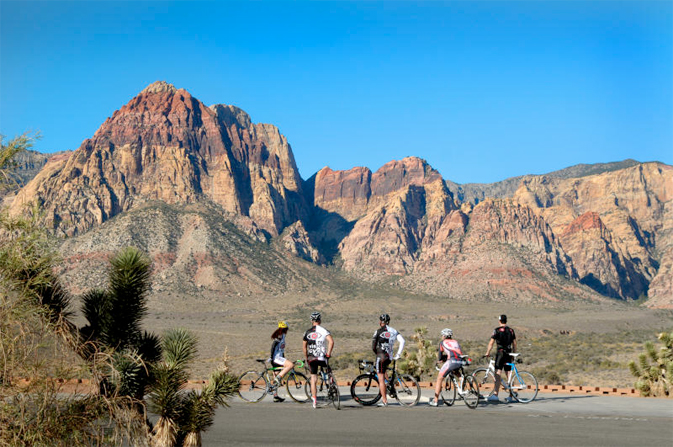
[158,87]
[232,115]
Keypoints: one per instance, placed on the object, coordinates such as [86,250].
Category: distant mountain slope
[476,192]
[218,203]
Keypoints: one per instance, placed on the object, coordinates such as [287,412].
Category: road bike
[254,385]
[521,385]
[463,385]
[365,387]
[327,390]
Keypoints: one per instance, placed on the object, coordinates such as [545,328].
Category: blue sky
[482,90]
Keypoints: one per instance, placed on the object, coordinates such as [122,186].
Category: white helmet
[447,332]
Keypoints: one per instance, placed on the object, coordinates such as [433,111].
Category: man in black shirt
[505,339]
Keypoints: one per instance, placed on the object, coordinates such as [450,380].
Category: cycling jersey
[316,343]
[278,350]
[504,336]
[383,341]
[449,349]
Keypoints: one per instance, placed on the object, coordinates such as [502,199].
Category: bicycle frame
[511,374]
[393,376]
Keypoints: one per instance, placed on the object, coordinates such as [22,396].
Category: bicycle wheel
[252,386]
[448,391]
[365,389]
[486,381]
[524,387]
[407,390]
[334,395]
[471,392]
[296,387]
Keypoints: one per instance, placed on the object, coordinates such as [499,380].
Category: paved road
[550,420]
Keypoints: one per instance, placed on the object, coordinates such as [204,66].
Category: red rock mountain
[166,145]
[584,232]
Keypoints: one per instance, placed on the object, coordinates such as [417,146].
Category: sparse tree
[654,368]
[8,152]
[420,361]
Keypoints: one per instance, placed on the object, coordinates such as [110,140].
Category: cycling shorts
[382,362]
[501,360]
[279,361]
[315,364]
[450,365]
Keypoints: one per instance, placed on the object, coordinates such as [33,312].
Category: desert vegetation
[654,368]
[41,347]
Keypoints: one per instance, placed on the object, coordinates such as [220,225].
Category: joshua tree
[422,360]
[184,415]
[114,316]
[654,379]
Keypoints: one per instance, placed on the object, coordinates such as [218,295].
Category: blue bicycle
[521,385]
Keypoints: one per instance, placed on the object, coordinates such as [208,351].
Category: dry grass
[245,324]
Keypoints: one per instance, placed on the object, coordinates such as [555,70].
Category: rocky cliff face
[166,145]
[620,241]
[586,229]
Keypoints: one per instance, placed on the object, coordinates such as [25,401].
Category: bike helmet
[447,332]
[385,318]
[315,316]
[282,325]
[502,318]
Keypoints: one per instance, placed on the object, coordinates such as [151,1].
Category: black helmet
[385,318]
[315,316]
[503,319]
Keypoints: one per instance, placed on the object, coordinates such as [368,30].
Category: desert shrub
[418,358]
[654,368]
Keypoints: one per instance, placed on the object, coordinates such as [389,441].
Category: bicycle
[467,389]
[521,385]
[326,388]
[365,387]
[254,385]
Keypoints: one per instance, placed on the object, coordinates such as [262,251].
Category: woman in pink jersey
[449,350]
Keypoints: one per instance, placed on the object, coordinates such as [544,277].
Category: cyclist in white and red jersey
[449,352]
[318,345]
[382,345]
[278,357]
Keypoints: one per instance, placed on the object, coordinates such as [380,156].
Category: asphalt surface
[550,420]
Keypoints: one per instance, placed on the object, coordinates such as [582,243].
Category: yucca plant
[421,360]
[183,416]
[114,320]
[654,379]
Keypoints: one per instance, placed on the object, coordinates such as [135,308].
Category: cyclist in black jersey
[318,345]
[505,339]
[382,345]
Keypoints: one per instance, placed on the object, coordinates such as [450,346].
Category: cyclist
[318,345]
[449,351]
[505,338]
[382,345]
[278,357]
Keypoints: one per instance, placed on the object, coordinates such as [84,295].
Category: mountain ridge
[605,228]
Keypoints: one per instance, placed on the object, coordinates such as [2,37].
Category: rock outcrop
[166,145]
[621,234]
